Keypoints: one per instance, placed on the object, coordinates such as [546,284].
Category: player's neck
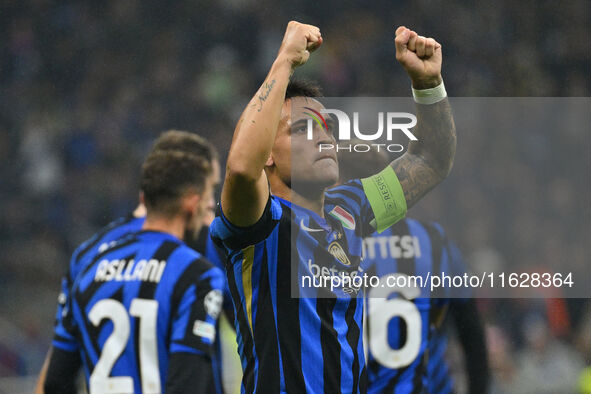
[315,205]
[313,202]
[175,225]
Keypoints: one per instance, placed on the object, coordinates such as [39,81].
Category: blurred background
[86,86]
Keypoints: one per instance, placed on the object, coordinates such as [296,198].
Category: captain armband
[385,195]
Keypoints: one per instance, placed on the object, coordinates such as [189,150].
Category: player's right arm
[245,190]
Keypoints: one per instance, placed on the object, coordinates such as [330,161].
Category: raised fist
[420,57]
[298,42]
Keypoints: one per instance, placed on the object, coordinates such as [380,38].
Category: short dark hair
[167,175]
[187,142]
[356,165]
[302,88]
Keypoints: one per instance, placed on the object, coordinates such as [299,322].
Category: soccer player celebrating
[313,344]
[405,333]
[141,308]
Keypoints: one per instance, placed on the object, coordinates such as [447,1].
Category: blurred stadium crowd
[85,87]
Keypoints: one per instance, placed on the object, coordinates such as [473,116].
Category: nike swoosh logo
[308,229]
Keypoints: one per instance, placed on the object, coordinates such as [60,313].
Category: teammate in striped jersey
[170,141]
[464,315]
[405,340]
[405,336]
[275,233]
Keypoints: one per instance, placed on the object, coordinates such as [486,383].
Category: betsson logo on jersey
[319,272]
[332,278]
[344,130]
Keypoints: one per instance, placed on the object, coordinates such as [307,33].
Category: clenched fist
[420,57]
[298,42]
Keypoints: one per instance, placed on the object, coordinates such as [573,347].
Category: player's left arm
[43,373]
[189,372]
[62,371]
[62,327]
[470,332]
[198,305]
[428,160]
[469,327]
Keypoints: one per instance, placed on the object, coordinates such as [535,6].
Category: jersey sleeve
[64,332]
[376,202]
[198,301]
[62,370]
[217,257]
[231,237]
[189,372]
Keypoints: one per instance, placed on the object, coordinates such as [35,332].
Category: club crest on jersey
[337,251]
[344,217]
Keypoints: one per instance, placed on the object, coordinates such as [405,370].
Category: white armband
[429,96]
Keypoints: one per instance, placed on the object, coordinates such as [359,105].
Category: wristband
[429,96]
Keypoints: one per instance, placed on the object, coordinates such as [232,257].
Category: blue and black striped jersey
[99,242]
[403,326]
[306,344]
[142,299]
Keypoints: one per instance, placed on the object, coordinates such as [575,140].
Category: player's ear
[190,203]
[140,210]
[270,161]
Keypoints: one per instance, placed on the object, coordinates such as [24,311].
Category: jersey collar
[300,211]
[152,235]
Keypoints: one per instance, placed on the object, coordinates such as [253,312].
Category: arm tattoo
[263,96]
[415,176]
[429,160]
